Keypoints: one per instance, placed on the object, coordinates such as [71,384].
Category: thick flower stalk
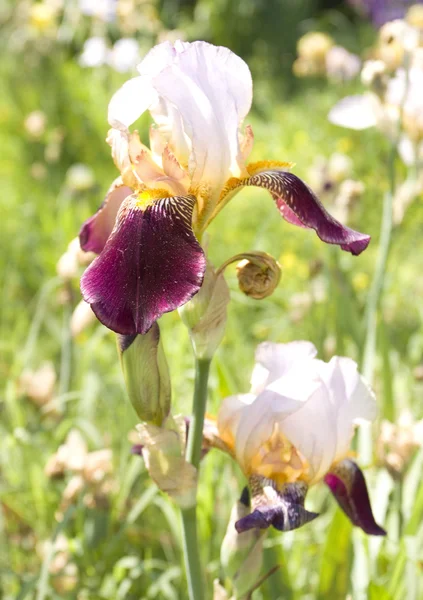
[147,231]
[293,430]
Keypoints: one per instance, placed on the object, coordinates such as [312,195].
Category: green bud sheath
[146,374]
[205,314]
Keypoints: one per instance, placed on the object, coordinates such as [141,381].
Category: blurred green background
[126,544]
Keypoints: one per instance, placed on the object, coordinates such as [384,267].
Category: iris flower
[293,430]
[402,104]
[148,229]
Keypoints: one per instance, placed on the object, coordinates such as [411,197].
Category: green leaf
[335,567]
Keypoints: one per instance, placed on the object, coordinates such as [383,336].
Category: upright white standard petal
[274,360]
[352,401]
[198,95]
[211,88]
[355,112]
[130,101]
[296,426]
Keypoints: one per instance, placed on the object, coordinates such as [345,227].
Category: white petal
[157,59]
[355,112]
[312,430]
[229,414]
[171,127]
[274,360]
[407,151]
[130,101]
[255,423]
[157,144]
[212,90]
[352,399]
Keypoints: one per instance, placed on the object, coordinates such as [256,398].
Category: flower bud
[146,374]
[80,177]
[241,554]
[314,45]
[414,16]
[38,385]
[398,442]
[42,16]
[205,313]
[258,275]
[35,124]
[219,592]
[81,318]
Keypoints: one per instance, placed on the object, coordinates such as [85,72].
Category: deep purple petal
[347,484]
[282,518]
[300,206]
[95,231]
[282,509]
[151,264]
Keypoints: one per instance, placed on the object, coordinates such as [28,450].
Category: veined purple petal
[95,231]
[346,482]
[300,206]
[282,509]
[151,264]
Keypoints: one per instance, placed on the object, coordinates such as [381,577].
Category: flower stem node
[241,554]
[146,374]
[163,451]
[205,314]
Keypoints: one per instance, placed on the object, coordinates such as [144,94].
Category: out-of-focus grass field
[129,547]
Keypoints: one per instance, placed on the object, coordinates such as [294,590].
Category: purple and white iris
[150,261]
[293,430]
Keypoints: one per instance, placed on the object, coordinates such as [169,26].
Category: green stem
[373,301]
[193,456]
[379,276]
[195,436]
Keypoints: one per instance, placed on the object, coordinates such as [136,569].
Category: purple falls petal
[347,484]
[151,264]
[95,231]
[298,204]
[281,508]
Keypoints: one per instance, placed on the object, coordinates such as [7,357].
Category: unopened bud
[205,314]
[38,385]
[35,124]
[80,177]
[81,318]
[258,275]
[67,266]
[241,554]
[146,374]
[219,592]
[414,16]
[314,45]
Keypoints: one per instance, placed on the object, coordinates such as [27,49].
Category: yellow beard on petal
[147,197]
[279,460]
[263,165]
[204,195]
